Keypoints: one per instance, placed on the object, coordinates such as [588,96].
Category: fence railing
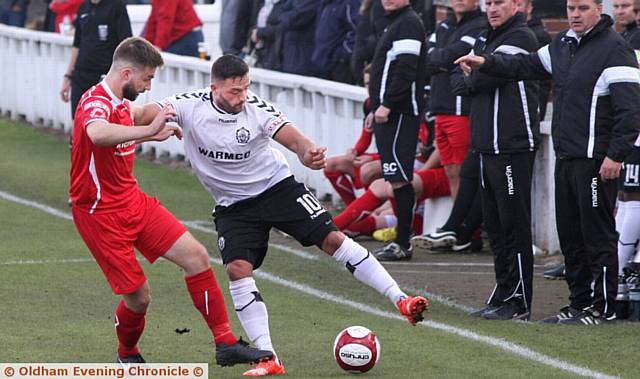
[32,65]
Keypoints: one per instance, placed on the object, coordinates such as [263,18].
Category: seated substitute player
[113,215]
[227,130]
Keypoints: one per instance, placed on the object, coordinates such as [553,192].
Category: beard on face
[129,92]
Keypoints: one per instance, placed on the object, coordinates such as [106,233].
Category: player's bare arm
[107,134]
[309,154]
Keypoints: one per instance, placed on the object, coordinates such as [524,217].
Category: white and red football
[356,349]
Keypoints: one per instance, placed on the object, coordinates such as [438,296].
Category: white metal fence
[32,65]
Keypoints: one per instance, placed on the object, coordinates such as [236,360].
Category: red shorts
[145,224]
[434,183]
[357,179]
[453,137]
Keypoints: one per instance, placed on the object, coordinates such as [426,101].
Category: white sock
[391,220]
[252,312]
[629,229]
[366,268]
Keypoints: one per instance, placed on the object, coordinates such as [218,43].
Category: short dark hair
[228,66]
[139,52]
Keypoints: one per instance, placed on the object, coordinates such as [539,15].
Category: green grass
[62,312]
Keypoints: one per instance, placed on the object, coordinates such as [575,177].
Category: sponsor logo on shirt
[225,121]
[223,155]
[276,124]
[98,113]
[96,104]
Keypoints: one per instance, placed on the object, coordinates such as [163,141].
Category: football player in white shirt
[226,133]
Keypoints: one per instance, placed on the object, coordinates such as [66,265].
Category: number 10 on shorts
[311,205]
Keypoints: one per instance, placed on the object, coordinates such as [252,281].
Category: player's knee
[138,301]
[332,242]
[239,269]
[198,260]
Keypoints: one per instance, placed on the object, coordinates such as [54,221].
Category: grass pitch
[57,307]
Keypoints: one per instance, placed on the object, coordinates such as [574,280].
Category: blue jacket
[298,24]
[335,33]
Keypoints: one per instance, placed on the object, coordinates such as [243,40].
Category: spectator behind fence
[236,21]
[65,11]
[334,39]
[370,27]
[13,12]
[267,36]
[298,23]
[100,26]
[596,118]
[535,24]
[174,27]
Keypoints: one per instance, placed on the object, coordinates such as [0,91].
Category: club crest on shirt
[221,243]
[243,136]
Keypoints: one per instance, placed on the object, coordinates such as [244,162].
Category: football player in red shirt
[113,215]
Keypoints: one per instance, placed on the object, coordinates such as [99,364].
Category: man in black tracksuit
[505,131]
[625,13]
[396,89]
[595,122]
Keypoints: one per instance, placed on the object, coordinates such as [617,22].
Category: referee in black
[396,89]
[99,27]
[505,132]
[596,117]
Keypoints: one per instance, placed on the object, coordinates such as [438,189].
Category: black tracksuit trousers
[506,205]
[587,232]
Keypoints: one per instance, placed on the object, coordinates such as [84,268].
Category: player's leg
[243,240]
[163,235]
[453,138]
[340,171]
[110,238]
[370,200]
[369,172]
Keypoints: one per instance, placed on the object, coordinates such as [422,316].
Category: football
[356,349]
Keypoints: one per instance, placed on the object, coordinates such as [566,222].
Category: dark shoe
[512,310]
[565,313]
[438,239]
[240,352]
[555,273]
[131,359]
[480,312]
[394,252]
[588,316]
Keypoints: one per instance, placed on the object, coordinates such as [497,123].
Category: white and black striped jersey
[230,153]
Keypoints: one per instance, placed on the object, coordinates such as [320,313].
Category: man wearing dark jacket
[595,121]
[453,38]
[396,89]
[334,39]
[625,14]
[505,131]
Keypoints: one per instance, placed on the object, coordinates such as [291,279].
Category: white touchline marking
[45,261]
[500,343]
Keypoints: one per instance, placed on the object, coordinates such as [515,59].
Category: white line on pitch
[500,343]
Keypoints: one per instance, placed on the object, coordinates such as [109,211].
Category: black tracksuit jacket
[397,70]
[451,41]
[596,84]
[504,112]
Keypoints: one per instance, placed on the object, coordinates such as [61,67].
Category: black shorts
[630,175]
[397,140]
[243,228]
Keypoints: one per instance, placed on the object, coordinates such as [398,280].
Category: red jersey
[101,177]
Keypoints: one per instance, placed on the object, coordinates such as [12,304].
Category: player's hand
[382,114]
[170,129]
[610,169]
[368,122]
[470,62]
[315,158]
[65,90]
[167,113]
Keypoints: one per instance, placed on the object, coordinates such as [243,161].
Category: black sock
[405,202]
[463,203]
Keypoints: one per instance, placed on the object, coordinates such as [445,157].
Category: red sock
[365,226]
[208,299]
[129,327]
[342,184]
[366,202]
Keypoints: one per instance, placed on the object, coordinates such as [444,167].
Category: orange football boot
[413,307]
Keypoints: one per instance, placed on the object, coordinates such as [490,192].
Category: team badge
[221,243]
[243,136]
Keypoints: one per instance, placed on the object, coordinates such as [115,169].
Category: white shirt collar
[573,34]
[114,99]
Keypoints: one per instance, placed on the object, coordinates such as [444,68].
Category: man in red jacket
[173,26]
